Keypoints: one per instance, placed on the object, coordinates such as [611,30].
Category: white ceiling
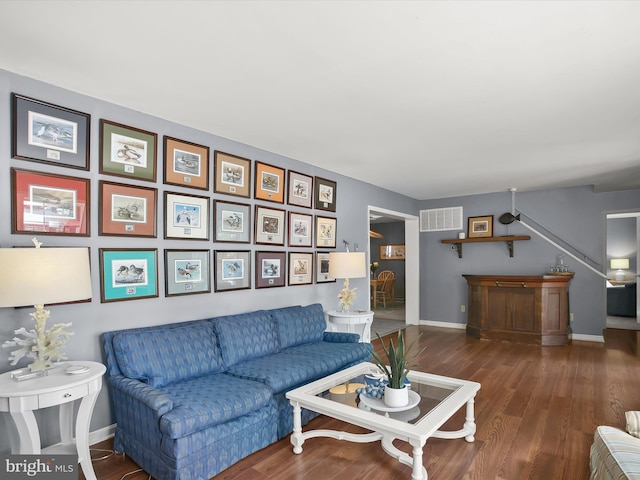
[430,99]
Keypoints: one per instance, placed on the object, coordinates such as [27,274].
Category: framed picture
[47,133]
[325,194]
[300,268]
[394,251]
[233,222]
[269,183]
[127,210]
[299,189]
[232,270]
[322,268]
[480,226]
[232,175]
[271,268]
[186,216]
[186,272]
[300,230]
[49,204]
[186,164]
[128,274]
[270,226]
[127,151]
[325,232]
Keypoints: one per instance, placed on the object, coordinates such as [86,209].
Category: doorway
[622,291]
[397,232]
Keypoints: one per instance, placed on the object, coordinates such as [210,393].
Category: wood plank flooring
[536,414]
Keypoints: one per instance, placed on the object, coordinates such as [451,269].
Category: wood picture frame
[232,174]
[300,229]
[269,182]
[480,226]
[186,272]
[48,133]
[49,204]
[271,268]
[128,274]
[127,151]
[126,210]
[232,222]
[186,164]
[299,189]
[325,194]
[232,270]
[322,268]
[326,231]
[270,226]
[186,216]
[392,251]
[300,268]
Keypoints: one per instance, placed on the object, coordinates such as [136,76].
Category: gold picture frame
[479,227]
[392,251]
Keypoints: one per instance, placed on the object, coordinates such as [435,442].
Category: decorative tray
[380,406]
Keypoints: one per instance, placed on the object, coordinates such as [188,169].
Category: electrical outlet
[571,317]
[463,308]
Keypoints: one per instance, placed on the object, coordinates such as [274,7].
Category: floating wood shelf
[509,239]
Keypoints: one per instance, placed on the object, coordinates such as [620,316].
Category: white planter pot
[396,397]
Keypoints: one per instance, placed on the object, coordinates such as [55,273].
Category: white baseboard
[461,326]
[101,435]
[432,323]
[587,338]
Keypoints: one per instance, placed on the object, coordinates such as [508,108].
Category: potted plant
[396,368]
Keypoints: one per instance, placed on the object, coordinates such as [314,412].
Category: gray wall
[576,215]
[92,319]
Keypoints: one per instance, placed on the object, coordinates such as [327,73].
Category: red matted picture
[127,210]
[49,204]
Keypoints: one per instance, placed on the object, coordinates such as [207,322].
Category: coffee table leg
[296,437]
[470,423]
[418,472]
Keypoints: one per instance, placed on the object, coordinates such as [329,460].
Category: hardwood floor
[536,414]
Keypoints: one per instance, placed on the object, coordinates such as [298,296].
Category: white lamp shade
[34,276]
[619,263]
[347,265]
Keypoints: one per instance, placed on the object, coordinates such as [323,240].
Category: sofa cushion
[280,372]
[162,355]
[246,336]
[298,325]
[331,357]
[210,400]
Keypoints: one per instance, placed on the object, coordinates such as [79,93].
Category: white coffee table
[441,397]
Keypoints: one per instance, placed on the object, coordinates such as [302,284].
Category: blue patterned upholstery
[162,356]
[298,325]
[245,336]
[192,398]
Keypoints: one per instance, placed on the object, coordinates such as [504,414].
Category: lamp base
[26,374]
[620,275]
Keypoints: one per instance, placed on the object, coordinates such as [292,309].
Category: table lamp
[347,265]
[39,276]
[620,264]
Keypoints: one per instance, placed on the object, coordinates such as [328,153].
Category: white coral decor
[346,297]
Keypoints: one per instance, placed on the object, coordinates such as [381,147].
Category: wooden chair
[384,288]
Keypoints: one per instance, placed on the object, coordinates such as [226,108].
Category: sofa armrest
[142,393]
[340,337]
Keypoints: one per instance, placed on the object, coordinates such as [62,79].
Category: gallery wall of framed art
[131,202]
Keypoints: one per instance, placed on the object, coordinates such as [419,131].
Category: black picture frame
[47,133]
[271,269]
[324,195]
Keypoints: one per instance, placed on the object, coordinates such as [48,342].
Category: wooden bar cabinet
[519,308]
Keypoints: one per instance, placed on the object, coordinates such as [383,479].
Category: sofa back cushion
[298,325]
[246,335]
[163,355]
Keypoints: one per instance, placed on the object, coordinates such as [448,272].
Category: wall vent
[440,219]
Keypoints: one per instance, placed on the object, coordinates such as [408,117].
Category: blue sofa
[192,398]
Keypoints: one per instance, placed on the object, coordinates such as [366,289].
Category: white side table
[351,322]
[20,399]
